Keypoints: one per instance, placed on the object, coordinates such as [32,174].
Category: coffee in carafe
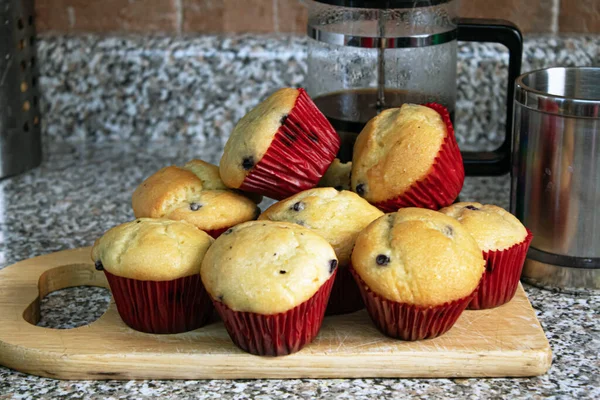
[365,56]
[349,110]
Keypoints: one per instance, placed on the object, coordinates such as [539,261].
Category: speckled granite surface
[113,108]
[113,88]
[84,189]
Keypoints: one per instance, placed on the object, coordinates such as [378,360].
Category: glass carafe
[368,55]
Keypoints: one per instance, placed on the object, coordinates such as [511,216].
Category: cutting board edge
[514,363]
[525,363]
[521,364]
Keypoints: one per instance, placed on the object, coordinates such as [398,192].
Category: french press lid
[383,4]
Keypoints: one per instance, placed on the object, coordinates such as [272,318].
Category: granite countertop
[117,109]
[83,189]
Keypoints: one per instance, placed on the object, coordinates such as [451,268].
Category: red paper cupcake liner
[278,334]
[175,306]
[215,233]
[502,274]
[300,153]
[345,297]
[410,322]
[444,181]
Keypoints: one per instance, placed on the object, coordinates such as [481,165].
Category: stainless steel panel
[556,170]
[551,276]
[20,147]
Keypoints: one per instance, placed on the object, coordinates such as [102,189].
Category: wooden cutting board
[506,341]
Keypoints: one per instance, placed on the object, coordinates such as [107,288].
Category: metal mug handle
[497,162]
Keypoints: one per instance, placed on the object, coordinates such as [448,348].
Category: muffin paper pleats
[300,153]
[502,274]
[409,322]
[175,306]
[444,181]
[278,334]
[345,297]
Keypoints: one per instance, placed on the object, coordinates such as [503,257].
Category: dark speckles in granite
[82,190]
[73,307]
[153,88]
[101,88]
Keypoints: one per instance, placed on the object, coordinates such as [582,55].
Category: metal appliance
[556,175]
[20,142]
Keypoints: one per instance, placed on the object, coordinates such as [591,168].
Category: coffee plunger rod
[380,105]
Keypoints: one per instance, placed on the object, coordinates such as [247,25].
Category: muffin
[417,270]
[193,193]
[152,267]
[270,282]
[281,147]
[408,157]
[504,242]
[337,175]
[339,217]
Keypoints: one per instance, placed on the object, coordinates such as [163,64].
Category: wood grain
[507,341]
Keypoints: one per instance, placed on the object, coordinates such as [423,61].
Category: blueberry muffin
[260,274]
[281,147]
[339,217]
[193,193]
[408,157]
[504,242]
[418,270]
[337,175]
[153,266]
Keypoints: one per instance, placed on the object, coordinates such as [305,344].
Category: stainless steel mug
[20,142]
[556,175]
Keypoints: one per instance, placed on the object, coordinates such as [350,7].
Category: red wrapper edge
[443,183]
[174,306]
[300,153]
[215,233]
[409,322]
[502,274]
[277,334]
[345,297]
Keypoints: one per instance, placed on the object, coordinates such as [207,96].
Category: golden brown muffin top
[211,180]
[152,249]
[337,175]
[193,193]
[418,256]
[267,267]
[337,216]
[207,173]
[394,150]
[493,227]
[253,135]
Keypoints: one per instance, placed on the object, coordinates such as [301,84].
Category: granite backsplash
[150,88]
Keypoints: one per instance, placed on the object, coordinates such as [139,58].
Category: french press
[20,134]
[368,55]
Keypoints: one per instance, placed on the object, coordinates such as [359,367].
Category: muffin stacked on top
[272,280]
[281,147]
[408,157]
[193,193]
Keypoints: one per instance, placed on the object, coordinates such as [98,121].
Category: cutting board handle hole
[62,310]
